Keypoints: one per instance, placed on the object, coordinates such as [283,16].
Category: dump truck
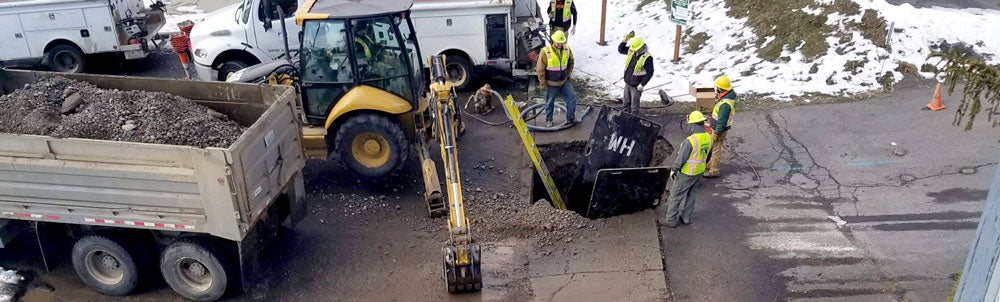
[200,216]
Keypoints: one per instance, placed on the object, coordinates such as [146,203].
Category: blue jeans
[569,96]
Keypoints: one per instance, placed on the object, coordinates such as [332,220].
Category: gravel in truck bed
[65,108]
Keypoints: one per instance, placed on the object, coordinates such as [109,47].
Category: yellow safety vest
[567,10]
[368,52]
[640,66]
[555,68]
[701,144]
[732,110]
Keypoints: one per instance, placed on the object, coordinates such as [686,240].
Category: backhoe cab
[362,83]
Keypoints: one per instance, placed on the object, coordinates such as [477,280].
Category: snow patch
[731,48]
[9,280]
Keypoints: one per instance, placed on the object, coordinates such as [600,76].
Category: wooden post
[677,45]
[604,15]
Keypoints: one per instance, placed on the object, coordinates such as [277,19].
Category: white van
[479,37]
[59,33]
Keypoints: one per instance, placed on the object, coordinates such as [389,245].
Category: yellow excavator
[364,105]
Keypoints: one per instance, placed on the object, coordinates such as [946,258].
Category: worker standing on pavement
[562,16]
[687,171]
[722,115]
[638,70]
[555,65]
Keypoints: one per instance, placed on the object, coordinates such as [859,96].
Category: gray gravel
[110,114]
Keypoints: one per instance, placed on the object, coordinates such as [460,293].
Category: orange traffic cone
[935,103]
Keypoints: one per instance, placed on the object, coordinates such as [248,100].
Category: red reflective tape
[52,217]
[23,215]
[159,225]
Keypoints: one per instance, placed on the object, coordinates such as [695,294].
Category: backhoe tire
[371,145]
[196,269]
[105,265]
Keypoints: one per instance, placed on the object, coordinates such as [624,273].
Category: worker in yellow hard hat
[722,118]
[562,16]
[555,65]
[687,171]
[638,70]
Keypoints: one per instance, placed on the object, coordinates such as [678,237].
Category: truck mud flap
[253,272]
[627,190]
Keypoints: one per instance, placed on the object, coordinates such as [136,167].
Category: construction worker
[555,65]
[562,16]
[638,70]
[687,171]
[722,116]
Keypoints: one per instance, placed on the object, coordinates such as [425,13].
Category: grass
[954,289]
[907,68]
[696,42]
[795,30]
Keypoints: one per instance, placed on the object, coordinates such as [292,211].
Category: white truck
[480,37]
[60,33]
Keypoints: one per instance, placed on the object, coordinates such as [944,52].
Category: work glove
[639,87]
[673,174]
[572,31]
[629,35]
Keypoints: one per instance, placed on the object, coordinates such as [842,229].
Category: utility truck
[479,37]
[61,33]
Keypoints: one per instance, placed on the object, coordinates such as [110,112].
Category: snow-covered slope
[8,284]
[920,28]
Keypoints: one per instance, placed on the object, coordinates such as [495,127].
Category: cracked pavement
[874,200]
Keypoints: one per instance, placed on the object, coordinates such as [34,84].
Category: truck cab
[480,37]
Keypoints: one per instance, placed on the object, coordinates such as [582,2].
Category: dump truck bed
[218,191]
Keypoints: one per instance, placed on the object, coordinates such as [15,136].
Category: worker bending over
[722,115]
[691,157]
[638,70]
[562,16]
[555,64]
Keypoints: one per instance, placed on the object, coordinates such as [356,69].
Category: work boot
[549,124]
[685,220]
[710,174]
[669,223]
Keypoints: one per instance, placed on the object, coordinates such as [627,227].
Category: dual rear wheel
[195,269]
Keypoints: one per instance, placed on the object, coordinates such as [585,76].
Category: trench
[565,163]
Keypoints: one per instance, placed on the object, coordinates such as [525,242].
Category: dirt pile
[499,215]
[65,108]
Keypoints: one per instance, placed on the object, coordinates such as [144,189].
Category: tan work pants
[715,163]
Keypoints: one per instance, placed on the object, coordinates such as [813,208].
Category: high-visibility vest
[555,67]
[368,52]
[567,10]
[732,110]
[701,145]
[640,66]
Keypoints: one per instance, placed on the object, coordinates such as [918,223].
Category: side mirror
[266,13]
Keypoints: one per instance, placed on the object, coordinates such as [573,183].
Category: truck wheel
[459,72]
[230,67]
[371,145]
[65,58]
[195,270]
[105,265]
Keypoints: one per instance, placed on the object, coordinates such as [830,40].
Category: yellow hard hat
[696,117]
[559,37]
[723,83]
[636,43]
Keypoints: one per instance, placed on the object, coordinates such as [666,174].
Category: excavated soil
[110,114]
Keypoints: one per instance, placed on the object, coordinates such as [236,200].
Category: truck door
[271,41]
[13,43]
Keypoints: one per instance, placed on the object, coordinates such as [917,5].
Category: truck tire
[103,263]
[196,270]
[65,58]
[371,145]
[230,67]
[459,72]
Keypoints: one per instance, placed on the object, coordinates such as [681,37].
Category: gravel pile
[65,108]
[498,215]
